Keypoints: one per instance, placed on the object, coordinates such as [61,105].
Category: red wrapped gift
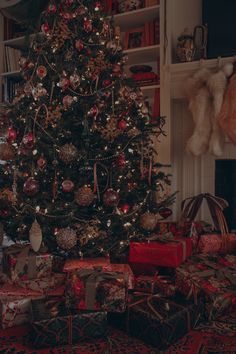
[90,263]
[217,243]
[168,254]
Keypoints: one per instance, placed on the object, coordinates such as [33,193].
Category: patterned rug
[13,341]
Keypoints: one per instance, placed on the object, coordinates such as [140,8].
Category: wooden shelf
[143,54]
[12,74]
[148,90]
[136,18]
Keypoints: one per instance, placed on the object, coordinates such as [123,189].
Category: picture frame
[135,38]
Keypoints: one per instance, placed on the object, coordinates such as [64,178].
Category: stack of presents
[180,278]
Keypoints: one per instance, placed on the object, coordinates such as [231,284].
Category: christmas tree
[78,156]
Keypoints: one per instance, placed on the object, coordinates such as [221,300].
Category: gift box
[155,284]
[164,254]
[157,321]
[20,262]
[44,285]
[211,280]
[53,326]
[104,263]
[14,312]
[94,289]
[217,243]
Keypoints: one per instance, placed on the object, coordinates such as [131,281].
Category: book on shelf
[152,32]
[11,62]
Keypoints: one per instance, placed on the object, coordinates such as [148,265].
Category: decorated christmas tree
[79,168]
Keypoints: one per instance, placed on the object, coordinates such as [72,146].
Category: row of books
[11,62]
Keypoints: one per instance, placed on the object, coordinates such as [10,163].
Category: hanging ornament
[79,45]
[67,101]
[93,112]
[39,91]
[45,28]
[111,198]
[165,213]
[41,163]
[67,186]
[121,160]
[87,25]
[28,89]
[7,152]
[64,83]
[148,221]
[106,83]
[110,131]
[28,140]
[31,187]
[52,9]
[97,6]
[84,196]
[11,134]
[41,71]
[122,124]
[68,153]
[35,236]
[66,238]
[125,208]
[75,80]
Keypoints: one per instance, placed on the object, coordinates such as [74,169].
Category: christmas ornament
[64,83]
[116,71]
[66,239]
[97,6]
[79,45]
[23,62]
[74,80]
[6,152]
[84,196]
[28,140]
[121,160]
[148,221]
[35,236]
[67,101]
[122,124]
[41,163]
[111,198]
[106,83]
[31,187]
[41,71]
[110,132]
[28,89]
[39,91]
[165,212]
[87,25]
[67,186]
[52,9]
[68,153]
[45,28]
[93,111]
[125,208]
[11,134]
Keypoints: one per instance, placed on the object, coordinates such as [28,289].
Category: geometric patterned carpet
[14,341]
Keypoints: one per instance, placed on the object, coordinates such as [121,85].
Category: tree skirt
[13,341]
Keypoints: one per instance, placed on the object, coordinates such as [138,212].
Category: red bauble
[97,6]
[111,198]
[52,9]
[165,212]
[122,124]
[67,186]
[121,160]
[125,208]
[41,71]
[28,140]
[45,28]
[106,83]
[93,111]
[31,187]
[41,163]
[11,135]
[79,45]
[88,25]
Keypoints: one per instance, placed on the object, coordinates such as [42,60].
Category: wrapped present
[54,325]
[217,243]
[165,254]
[44,285]
[94,289]
[157,321]
[210,279]
[155,284]
[90,263]
[20,262]
[15,312]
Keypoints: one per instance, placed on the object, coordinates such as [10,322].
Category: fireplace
[225,187]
